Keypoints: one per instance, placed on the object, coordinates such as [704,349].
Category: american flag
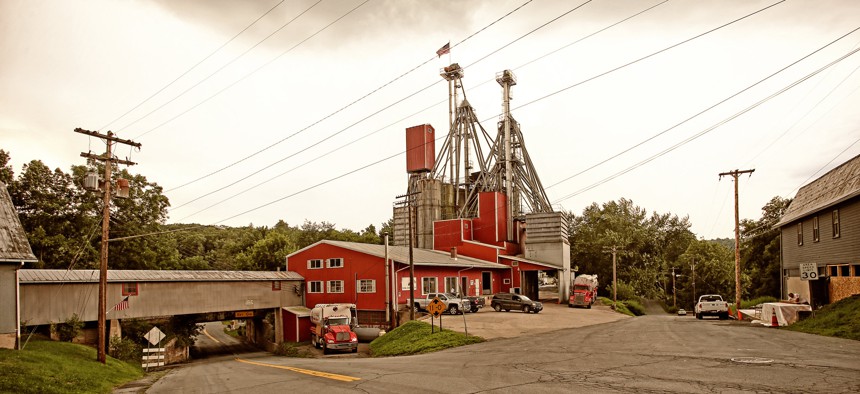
[445,49]
[122,305]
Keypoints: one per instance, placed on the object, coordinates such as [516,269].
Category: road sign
[808,271]
[436,307]
[244,314]
[154,336]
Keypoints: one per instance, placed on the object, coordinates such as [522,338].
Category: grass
[840,319]
[620,308]
[46,366]
[414,337]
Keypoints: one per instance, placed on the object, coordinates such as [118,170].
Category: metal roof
[525,260]
[14,246]
[400,254]
[838,185]
[87,276]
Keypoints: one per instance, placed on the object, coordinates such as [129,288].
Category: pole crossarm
[109,136]
[102,158]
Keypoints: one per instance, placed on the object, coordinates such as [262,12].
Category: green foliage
[760,250]
[415,337]
[634,307]
[125,349]
[749,304]
[59,367]
[647,245]
[840,319]
[184,328]
[624,291]
[68,330]
[714,272]
[619,307]
[289,349]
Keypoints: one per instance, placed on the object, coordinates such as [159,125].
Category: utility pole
[108,159]
[674,299]
[735,174]
[408,197]
[693,268]
[613,250]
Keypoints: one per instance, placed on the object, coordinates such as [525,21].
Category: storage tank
[420,148]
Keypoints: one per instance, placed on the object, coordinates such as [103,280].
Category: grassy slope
[415,337]
[840,319]
[60,367]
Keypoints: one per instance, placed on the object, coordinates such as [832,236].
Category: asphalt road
[652,354]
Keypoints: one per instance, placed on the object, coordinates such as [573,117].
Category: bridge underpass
[53,296]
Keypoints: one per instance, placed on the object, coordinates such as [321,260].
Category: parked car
[712,305]
[475,303]
[508,301]
[453,304]
[682,312]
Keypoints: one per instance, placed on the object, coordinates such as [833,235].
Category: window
[836,223]
[800,233]
[366,286]
[335,286]
[833,270]
[506,281]
[844,270]
[335,263]
[315,264]
[815,234]
[129,289]
[276,285]
[451,284]
[315,287]
[856,269]
[428,285]
[404,283]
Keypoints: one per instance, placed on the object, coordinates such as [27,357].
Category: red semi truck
[332,327]
[583,291]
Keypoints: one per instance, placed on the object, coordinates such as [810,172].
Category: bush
[125,349]
[635,307]
[289,349]
[624,290]
[70,329]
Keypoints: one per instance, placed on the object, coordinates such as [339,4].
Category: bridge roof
[88,276]
[13,239]
[400,254]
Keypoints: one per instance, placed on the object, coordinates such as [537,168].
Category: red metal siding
[491,224]
[473,275]
[448,234]
[479,251]
[420,148]
[296,329]
[356,265]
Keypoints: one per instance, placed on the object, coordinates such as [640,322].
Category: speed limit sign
[808,271]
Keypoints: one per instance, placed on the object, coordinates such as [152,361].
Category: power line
[709,129]
[371,115]
[194,66]
[529,103]
[217,71]
[342,108]
[705,110]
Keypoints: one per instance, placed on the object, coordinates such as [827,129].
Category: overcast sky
[89,64]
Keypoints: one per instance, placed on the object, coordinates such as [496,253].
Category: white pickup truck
[712,305]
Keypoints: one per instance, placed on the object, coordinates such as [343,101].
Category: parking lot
[490,324]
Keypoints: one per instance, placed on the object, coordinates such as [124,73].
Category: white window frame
[799,233]
[311,264]
[816,232]
[404,283]
[311,286]
[362,284]
[328,262]
[435,284]
[506,281]
[454,289]
[331,289]
[837,230]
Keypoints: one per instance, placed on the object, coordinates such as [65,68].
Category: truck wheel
[453,309]
[589,306]
[570,305]
[325,349]
[475,310]
[314,341]
[417,307]
[699,316]
[497,307]
[355,350]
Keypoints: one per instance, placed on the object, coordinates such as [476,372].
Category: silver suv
[508,301]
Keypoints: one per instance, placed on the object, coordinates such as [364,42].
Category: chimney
[454,253]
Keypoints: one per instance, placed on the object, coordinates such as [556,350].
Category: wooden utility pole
[107,159]
[735,174]
[408,197]
[674,298]
[613,250]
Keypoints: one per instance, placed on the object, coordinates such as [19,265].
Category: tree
[760,249]
[7,175]
[714,266]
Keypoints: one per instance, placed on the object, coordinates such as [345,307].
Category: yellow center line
[342,378]
[211,337]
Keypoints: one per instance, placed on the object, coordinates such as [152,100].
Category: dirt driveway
[490,324]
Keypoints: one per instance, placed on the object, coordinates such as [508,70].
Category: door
[464,286]
[486,282]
